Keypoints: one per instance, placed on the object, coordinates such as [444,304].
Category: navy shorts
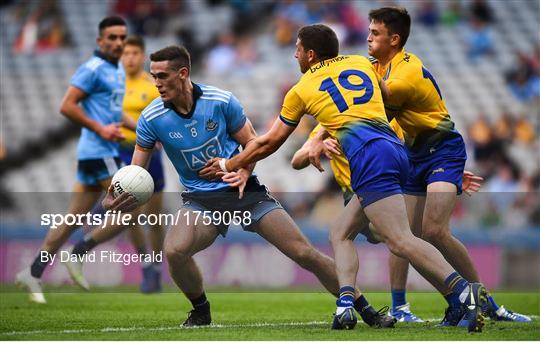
[255,203]
[445,163]
[155,168]
[92,171]
[378,170]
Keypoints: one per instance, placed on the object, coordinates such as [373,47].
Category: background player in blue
[195,123]
[98,87]
[435,149]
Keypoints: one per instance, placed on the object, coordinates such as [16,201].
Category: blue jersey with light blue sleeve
[192,139]
[104,85]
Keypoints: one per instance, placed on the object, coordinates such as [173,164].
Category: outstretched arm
[255,150]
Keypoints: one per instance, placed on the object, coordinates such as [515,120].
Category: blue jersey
[191,140]
[104,84]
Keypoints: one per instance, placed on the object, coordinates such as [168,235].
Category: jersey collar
[394,62]
[100,54]
[197,92]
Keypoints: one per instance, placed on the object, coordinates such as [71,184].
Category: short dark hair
[178,57]
[111,21]
[396,19]
[135,41]
[321,39]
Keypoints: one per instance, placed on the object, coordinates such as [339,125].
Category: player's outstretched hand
[212,171]
[112,132]
[316,149]
[333,147]
[329,147]
[125,202]
[237,179]
[471,182]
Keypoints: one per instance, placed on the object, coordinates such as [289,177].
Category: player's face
[380,42]
[133,59]
[167,81]
[111,41]
[302,57]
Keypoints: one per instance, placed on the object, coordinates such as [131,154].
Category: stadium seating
[36,82]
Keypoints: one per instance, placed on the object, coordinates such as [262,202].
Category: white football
[135,180]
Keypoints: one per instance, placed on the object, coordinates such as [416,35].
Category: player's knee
[336,236]
[435,234]
[305,256]
[400,245]
[175,253]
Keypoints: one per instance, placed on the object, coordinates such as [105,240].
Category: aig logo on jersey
[197,157]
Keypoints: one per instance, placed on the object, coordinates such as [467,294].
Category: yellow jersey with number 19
[344,96]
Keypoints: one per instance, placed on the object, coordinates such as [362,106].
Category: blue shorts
[255,203]
[378,170]
[92,171]
[155,168]
[445,164]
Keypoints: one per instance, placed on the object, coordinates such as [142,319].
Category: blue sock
[456,283]
[361,304]
[453,300]
[83,246]
[398,298]
[346,297]
[492,303]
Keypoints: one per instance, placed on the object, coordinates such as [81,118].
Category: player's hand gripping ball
[134,180]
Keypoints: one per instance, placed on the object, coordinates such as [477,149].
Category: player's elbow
[297,162]
[65,108]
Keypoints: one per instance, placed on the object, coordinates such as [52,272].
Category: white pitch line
[128,329]
[213,326]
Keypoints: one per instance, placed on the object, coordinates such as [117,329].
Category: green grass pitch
[236,316]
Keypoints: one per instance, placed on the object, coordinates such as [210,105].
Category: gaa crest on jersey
[211,125]
[197,157]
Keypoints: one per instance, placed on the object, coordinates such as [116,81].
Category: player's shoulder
[410,62]
[407,69]
[214,94]
[93,63]
[155,109]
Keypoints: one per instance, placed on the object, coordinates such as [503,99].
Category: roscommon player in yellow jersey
[312,149]
[343,93]
[435,148]
[140,91]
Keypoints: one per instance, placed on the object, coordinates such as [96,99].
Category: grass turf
[237,316]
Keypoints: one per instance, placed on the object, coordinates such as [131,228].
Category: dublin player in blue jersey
[195,123]
[94,101]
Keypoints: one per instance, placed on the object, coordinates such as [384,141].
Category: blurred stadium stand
[33,82]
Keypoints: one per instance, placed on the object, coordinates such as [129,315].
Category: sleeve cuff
[288,122]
